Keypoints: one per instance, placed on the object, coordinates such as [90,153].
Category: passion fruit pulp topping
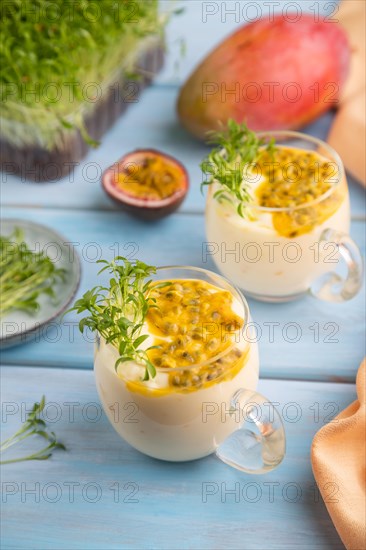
[296,177]
[147,183]
[193,323]
[153,177]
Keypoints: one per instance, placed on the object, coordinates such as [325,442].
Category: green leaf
[122,360]
[122,347]
[52,44]
[140,340]
[66,124]
[151,369]
[24,276]
[163,285]
[33,426]
[236,147]
[118,311]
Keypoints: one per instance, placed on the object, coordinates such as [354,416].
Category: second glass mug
[174,423]
[276,267]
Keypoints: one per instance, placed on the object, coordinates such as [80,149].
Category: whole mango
[272,75]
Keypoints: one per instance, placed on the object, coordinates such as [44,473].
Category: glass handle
[254,451]
[332,287]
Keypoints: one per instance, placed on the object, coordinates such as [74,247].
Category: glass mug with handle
[294,231]
[203,398]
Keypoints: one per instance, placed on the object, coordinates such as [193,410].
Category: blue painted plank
[151,123]
[173,508]
[329,351]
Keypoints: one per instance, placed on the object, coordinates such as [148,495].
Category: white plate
[18,326]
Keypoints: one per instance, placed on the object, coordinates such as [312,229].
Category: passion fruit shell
[147,183]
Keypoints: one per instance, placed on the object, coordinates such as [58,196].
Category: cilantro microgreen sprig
[236,148]
[33,425]
[117,312]
[24,275]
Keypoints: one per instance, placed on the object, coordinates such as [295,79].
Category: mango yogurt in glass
[295,226]
[206,371]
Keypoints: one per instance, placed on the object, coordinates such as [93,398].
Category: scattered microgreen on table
[34,425]
[237,148]
[117,312]
[24,275]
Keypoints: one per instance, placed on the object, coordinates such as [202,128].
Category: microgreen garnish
[117,312]
[237,147]
[24,275]
[33,425]
[57,58]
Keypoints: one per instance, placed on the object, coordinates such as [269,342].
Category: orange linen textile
[338,457]
[348,133]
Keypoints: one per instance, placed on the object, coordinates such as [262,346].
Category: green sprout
[236,147]
[24,275]
[117,312]
[33,425]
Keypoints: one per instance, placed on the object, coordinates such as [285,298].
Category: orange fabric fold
[338,457]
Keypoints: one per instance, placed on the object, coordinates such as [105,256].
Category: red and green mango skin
[314,55]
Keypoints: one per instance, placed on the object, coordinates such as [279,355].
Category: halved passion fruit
[147,183]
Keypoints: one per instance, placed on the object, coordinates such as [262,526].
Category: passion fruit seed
[197,377]
[188,343]
[147,183]
[174,295]
[293,177]
[177,287]
[171,328]
[290,176]
[213,344]
[153,177]
[187,357]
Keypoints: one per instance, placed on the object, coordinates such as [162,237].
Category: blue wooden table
[101,493]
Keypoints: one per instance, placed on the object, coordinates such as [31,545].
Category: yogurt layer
[181,413]
[276,254]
